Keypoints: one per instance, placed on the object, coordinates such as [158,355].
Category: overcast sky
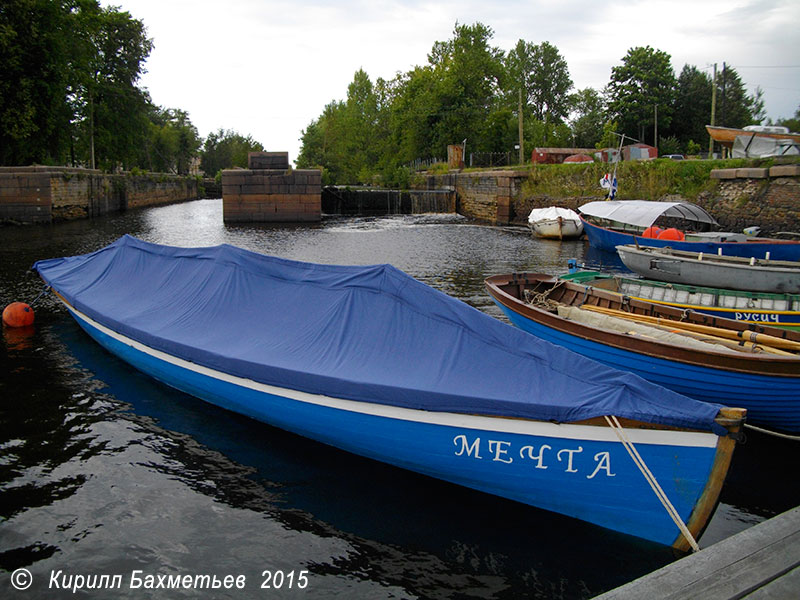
[267,68]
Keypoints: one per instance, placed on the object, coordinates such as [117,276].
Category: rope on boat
[785,436]
[613,422]
[541,299]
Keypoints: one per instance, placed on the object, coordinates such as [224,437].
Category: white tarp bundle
[552,213]
[757,146]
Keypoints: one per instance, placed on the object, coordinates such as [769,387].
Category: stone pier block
[752,173]
[269,191]
[784,171]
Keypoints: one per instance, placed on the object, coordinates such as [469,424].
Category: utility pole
[713,110]
[521,149]
[655,127]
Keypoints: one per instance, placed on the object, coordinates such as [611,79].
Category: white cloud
[267,68]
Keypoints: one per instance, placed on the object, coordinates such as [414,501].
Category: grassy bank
[648,180]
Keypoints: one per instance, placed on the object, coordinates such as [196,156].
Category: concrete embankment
[41,194]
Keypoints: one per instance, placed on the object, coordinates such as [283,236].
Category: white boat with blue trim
[370,360]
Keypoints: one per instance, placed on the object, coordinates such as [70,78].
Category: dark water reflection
[105,471]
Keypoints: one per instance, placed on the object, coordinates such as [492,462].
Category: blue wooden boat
[708,362]
[369,360]
[759,308]
[612,223]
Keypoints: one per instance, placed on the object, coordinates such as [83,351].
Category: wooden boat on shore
[713,270]
[729,362]
[369,360]
[726,136]
[555,223]
[776,310]
[613,223]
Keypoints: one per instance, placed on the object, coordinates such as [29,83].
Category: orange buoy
[652,232]
[671,234]
[18,314]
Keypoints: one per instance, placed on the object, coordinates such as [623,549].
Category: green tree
[792,123]
[467,71]
[589,117]
[35,43]
[735,108]
[226,149]
[68,83]
[645,80]
[115,110]
[693,104]
[172,142]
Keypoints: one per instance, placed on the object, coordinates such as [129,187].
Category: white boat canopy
[644,213]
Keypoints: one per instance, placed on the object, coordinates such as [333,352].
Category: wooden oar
[741,346]
[748,336]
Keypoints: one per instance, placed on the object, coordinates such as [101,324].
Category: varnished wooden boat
[726,136]
[759,308]
[765,382]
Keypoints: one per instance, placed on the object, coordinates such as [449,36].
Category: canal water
[104,472]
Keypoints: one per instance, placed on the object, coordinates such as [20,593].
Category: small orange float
[18,314]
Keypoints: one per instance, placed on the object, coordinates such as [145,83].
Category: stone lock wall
[768,197]
[269,191]
[40,194]
[25,196]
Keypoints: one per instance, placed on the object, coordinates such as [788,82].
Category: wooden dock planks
[758,563]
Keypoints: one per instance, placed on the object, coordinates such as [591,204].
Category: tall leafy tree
[115,109]
[735,108]
[171,143]
[35,44]
[543,75]
[645,80]
[693,105]
[226,149]
[588,119]
[467,70]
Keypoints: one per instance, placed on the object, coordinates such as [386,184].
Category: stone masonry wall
[269,191]
[25,197]
[41,194]
[769,198]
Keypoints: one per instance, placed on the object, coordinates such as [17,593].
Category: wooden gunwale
[727,135]
[509,290]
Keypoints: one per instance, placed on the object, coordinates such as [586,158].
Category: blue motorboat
[370,360]
[611,223]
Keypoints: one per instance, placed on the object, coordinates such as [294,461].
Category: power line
[767,67]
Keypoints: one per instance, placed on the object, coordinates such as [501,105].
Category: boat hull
[771,398]
[557,229]
[581,471]
[726,136]
[608,240]
[692,269]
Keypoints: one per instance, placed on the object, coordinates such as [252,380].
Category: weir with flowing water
[364,201]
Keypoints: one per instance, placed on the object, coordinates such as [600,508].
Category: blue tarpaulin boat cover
[365,333]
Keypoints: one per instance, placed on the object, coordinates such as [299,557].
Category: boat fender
[671,234]
[18,314]
[652,232]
